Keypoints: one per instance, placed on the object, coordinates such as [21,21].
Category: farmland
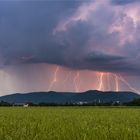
[69,123]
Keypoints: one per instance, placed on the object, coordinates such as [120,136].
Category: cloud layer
[96,35]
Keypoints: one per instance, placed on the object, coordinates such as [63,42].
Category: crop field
[69,123]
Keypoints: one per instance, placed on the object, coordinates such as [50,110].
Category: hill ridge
[63,97]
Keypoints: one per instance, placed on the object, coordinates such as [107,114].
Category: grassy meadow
[69,123]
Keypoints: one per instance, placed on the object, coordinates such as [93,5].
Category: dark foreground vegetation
[135,102]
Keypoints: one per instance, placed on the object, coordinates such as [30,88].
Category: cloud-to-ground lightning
[76,80]
[54,78]
[116,78]
[101,84]
[104,81]
[132,88]
[116,83]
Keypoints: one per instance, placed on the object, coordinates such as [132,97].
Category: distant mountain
[63,97]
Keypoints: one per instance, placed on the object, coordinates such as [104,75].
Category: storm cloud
[121,2]
[95,35]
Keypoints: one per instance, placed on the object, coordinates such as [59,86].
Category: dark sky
[96,35]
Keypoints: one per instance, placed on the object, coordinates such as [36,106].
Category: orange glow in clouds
[103,82]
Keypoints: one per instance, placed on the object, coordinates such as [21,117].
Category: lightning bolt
[116,78]
[116,83]
[54,78]
[107,76]
[101,86]
[132,88]
[75,81]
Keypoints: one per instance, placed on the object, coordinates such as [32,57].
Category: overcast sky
[79,35]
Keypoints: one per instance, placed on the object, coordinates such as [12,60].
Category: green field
[69,123]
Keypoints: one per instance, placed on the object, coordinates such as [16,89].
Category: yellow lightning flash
[75,81]
[54,78]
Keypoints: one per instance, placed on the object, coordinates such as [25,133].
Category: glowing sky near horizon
[45,77]
[69,45]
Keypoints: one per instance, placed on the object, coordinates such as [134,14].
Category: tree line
[135,102]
